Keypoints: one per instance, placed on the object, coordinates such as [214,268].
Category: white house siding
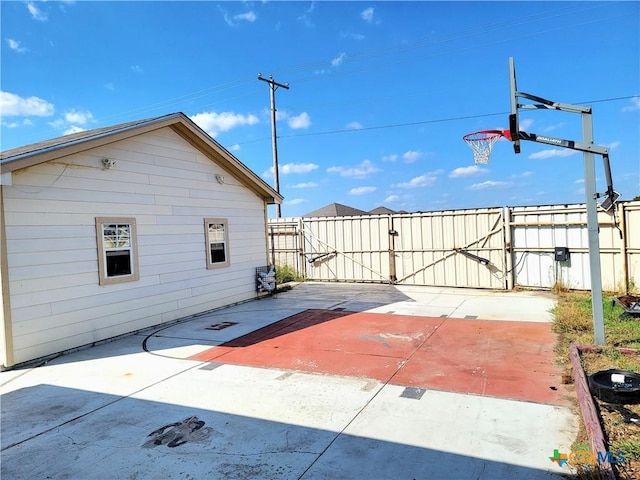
[169,187]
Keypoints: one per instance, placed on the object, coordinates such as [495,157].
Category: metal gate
[462,248]
[352,249]
[458,248]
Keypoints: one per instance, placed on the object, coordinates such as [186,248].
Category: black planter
[606,386]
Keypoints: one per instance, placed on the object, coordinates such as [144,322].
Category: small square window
[217,241]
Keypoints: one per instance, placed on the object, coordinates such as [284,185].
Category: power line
[422,122]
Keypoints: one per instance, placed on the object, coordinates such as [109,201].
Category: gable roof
[381,211]
[40,152]
[336,210]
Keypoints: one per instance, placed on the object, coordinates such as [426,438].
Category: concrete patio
[322,381]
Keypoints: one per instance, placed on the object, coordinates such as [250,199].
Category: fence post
[508,250]
[302,259]
[623,247]
[392,252]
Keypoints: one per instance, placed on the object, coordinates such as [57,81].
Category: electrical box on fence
[561,254]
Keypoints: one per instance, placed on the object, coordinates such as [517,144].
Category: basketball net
[482,143]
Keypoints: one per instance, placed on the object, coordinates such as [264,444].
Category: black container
[603,387]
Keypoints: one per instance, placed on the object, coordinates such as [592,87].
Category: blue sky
[380,95]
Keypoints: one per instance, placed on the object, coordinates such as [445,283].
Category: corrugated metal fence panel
[347,248]
[632,233]
[538,230]
[284,243]
[426,248]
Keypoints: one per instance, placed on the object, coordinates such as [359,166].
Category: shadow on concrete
[294,323]
[56,432]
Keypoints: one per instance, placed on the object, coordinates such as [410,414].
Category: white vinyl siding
[168,187]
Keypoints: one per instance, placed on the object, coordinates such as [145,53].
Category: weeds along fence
[498,248]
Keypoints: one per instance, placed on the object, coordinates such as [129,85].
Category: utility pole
[273,85]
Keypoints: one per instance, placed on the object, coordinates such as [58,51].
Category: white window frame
[224,241]
[105,247]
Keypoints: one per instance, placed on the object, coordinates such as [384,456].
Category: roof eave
[178,122]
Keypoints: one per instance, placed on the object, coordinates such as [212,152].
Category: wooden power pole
[273,85]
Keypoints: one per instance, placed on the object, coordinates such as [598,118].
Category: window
[117,255]
[217,241]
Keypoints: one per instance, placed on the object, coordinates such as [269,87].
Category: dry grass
[574,324]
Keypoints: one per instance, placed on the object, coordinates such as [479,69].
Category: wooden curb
[587,406]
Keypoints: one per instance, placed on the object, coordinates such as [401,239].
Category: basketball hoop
[482,143]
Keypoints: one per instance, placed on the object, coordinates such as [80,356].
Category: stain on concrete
[191,429]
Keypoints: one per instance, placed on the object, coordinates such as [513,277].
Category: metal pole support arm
[559,142]
[611,195]
[548,104]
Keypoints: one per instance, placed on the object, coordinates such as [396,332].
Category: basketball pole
[588,148]
[593,230]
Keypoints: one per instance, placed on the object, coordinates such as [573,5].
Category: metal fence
[497,248]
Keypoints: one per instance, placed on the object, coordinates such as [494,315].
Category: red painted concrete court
[506,359]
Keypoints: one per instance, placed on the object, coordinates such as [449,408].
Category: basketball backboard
[514,122]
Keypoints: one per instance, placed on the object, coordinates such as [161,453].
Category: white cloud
[305,185]
[552,153]
[390,158]
[36,13]
[525,124]
[249,16]
[367,14]
[71,121]
[365,169]
[235,147]
[213,122]
[362,190]
[339,60]
[471,171]
[306,16]
[613,145]
[24,123]
[14,105]
[425,180]
[490,184]
[73,129]
[233,21]
[301,121]
[522,175]
[288,168]
[355,125]
[294,201]
[15,46]
[136,68]
[391,198]
[411,156]
[635,105]
[354,36]
[551,128]
[81,118]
